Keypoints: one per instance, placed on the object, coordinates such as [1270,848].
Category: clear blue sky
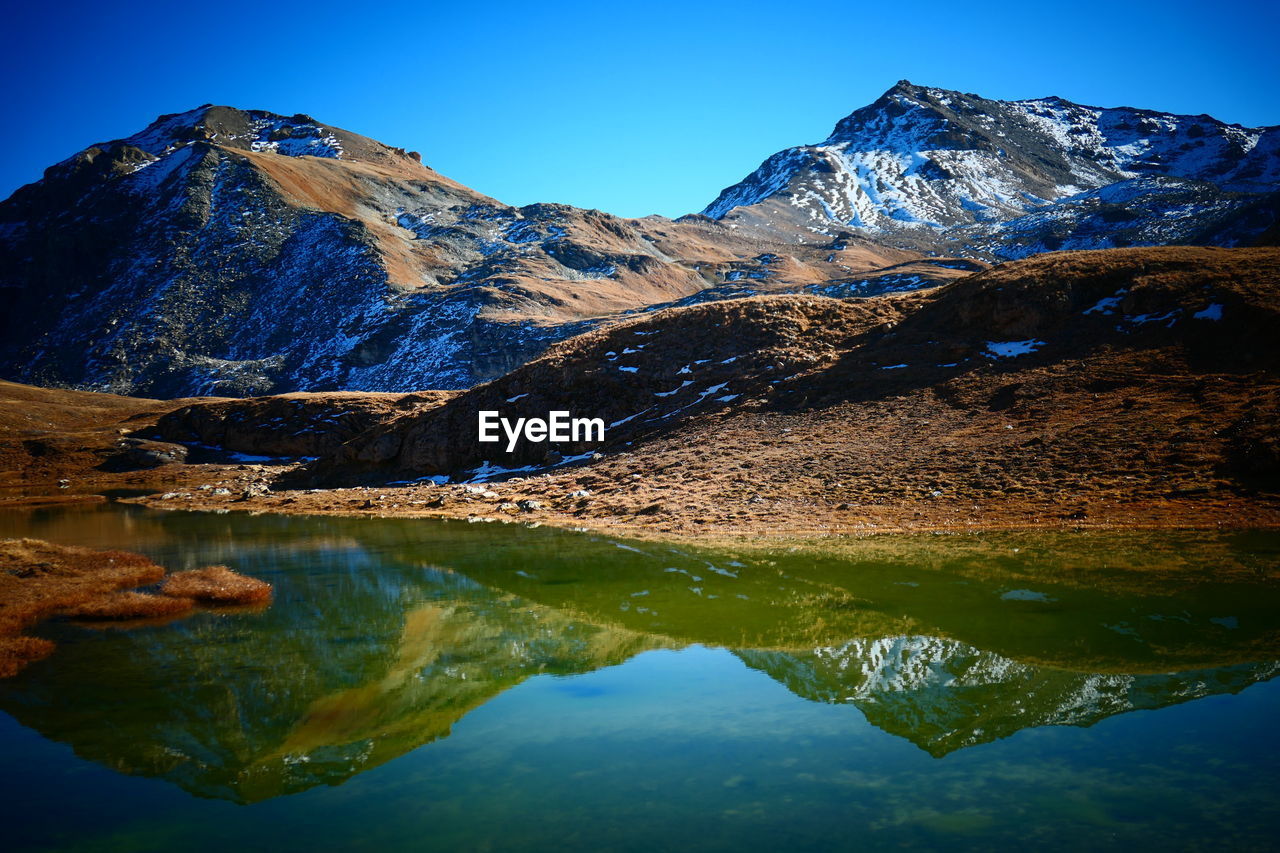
[651,107]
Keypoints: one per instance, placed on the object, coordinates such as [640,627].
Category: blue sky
[648,108]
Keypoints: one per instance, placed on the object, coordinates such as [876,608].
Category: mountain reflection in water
[385,633]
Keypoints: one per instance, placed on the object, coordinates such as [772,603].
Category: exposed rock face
[289,425]
[950,171]
[234,253]
[229,252]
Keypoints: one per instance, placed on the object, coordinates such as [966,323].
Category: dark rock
[139,454]
[255,490]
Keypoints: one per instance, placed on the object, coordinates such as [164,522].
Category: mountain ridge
[223,251]
[236,252]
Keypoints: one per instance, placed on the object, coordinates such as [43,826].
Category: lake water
[432,685]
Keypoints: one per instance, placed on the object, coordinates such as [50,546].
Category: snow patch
[1107,304]
[1025,595]
[1012,349]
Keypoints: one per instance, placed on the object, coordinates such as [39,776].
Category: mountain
[237,252]
[1116,387]
[947,171]
[224,251]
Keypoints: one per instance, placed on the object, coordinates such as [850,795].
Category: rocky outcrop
[289,425]
[640,377]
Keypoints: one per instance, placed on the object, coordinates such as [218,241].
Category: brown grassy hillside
[1127,387]
[1112,316]
[900,411]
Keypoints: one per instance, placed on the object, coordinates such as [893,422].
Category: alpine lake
[433,685]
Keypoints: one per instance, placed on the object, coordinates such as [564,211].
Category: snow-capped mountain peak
[933,168]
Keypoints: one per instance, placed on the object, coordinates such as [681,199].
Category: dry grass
[216,585]
[17,652]
[47,434]
[129,605]
[1115,421]
[39,579]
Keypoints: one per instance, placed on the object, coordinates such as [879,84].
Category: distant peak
[904,87]
[903,95]
[260,131]
[253,130]
[929,97]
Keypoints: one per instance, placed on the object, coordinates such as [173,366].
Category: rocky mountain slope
[231,252]
[1024,337]
[47,434]
[954,172]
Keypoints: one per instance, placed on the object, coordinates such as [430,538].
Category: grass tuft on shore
[216,585]
[39,580]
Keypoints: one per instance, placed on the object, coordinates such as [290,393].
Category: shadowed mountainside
[1107,388]
[232,252]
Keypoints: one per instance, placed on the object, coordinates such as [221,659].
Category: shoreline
[783,522]
[506,502]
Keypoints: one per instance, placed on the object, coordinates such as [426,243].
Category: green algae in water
[434,685]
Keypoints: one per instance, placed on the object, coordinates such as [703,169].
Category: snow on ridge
[161,136]
[293,137]
[304,139]
[771,177]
